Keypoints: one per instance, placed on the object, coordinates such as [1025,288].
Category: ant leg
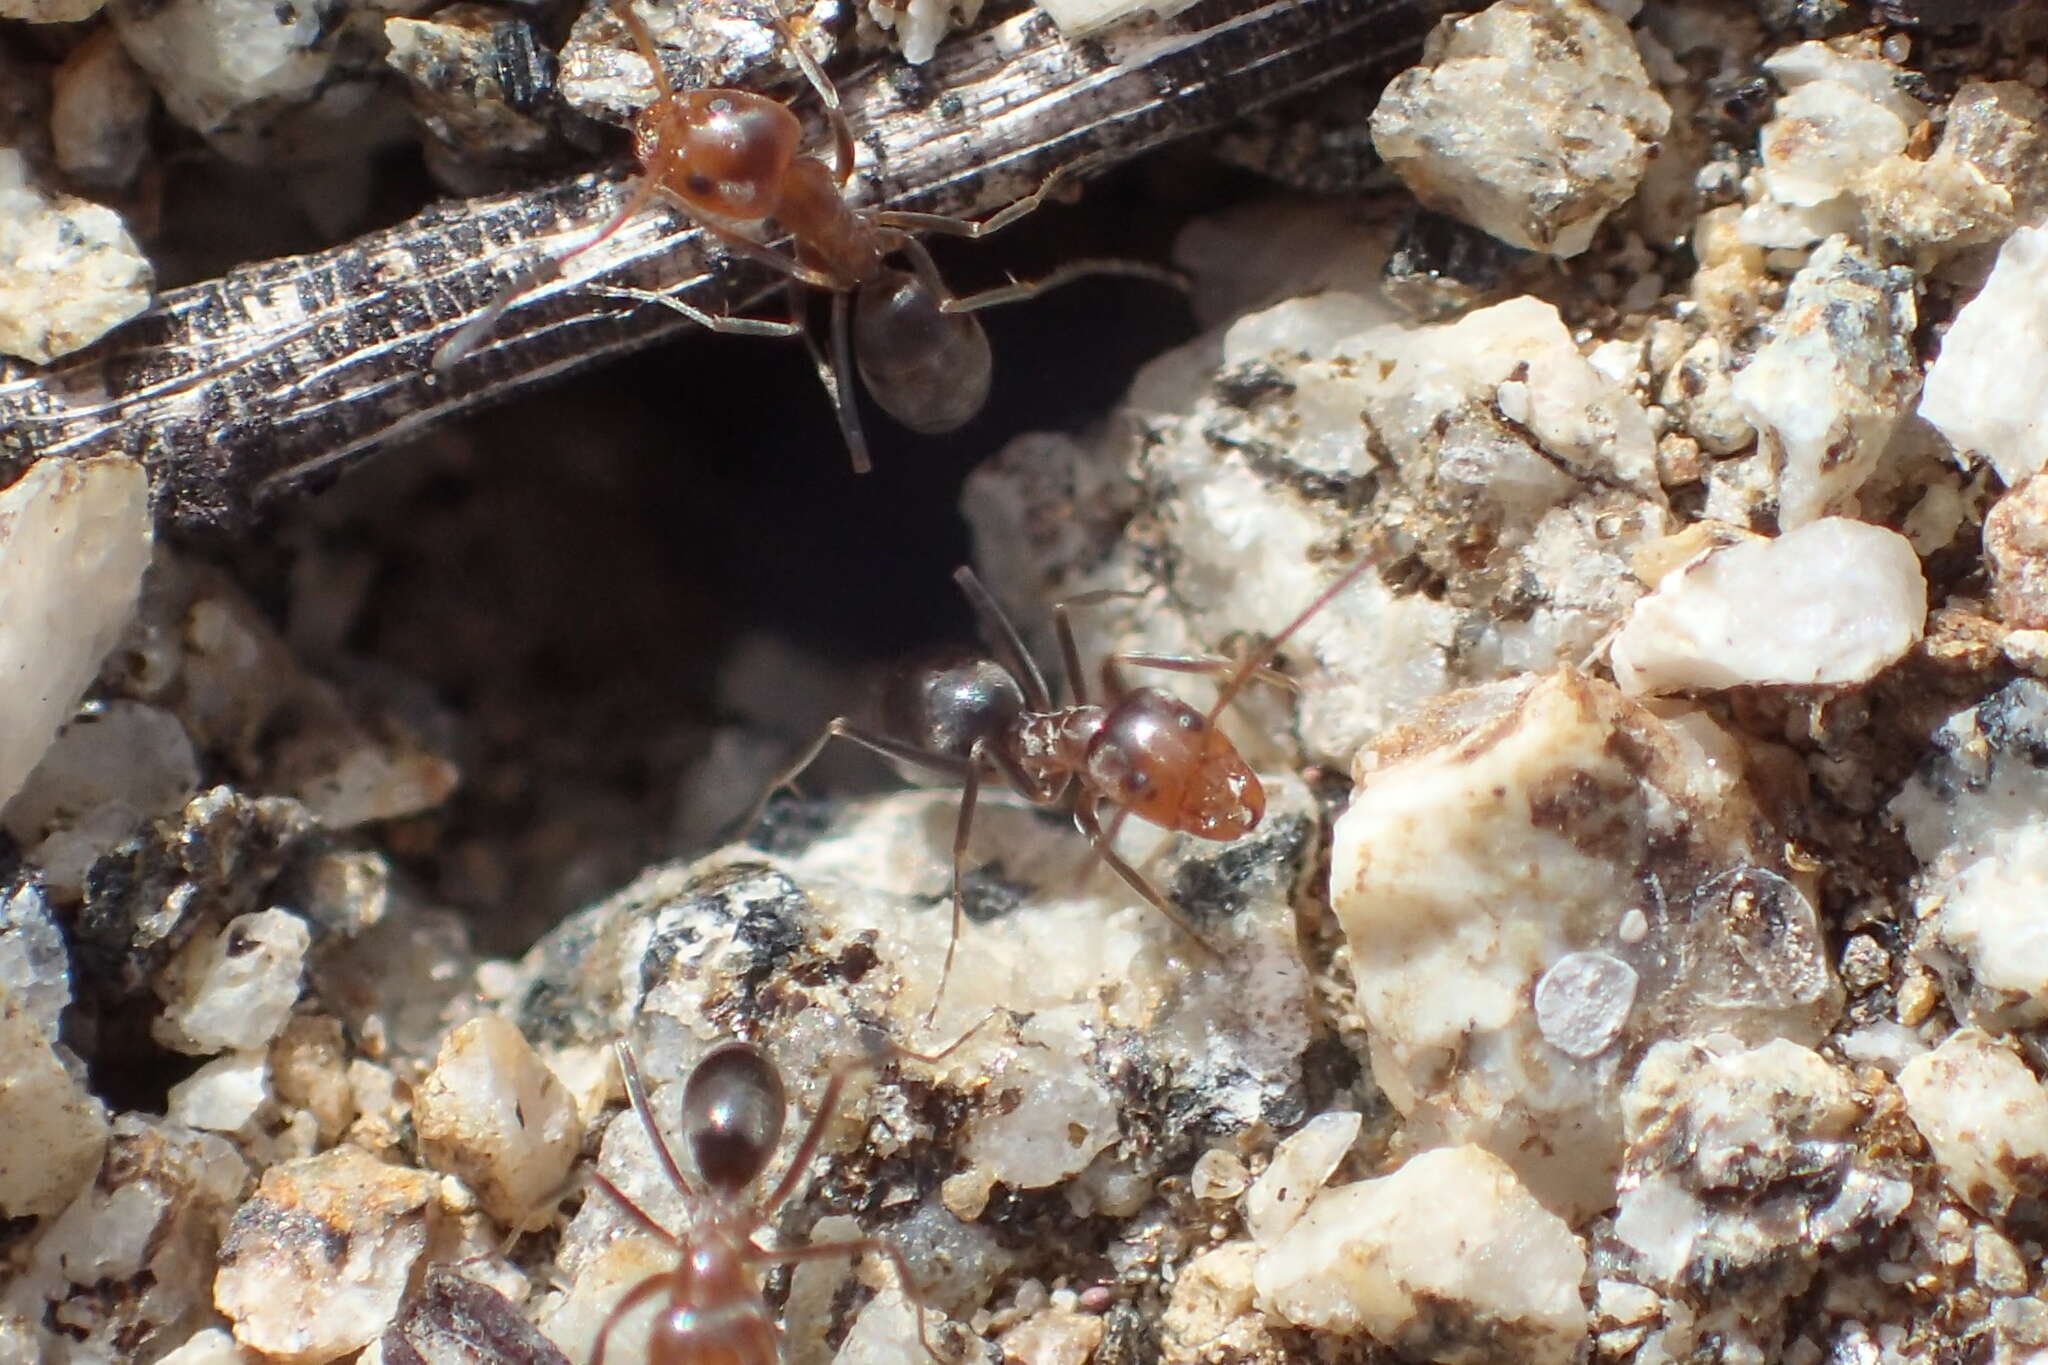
[717,322]
[838,375]
[644,41]
[1073,270]
[1091,828]
[741,244]
[1001,218]
[807,1148]
[998,622]
[842,728]
[1070,653]
[1094,858]
[636,1096]
[1212,665]
[828,1105]
[471,334]
[632,1209]
[648,1288]
[881,1246]
[838,392]
[963,826]
[928,271]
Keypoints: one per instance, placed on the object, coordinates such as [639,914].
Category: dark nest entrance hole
[571,576]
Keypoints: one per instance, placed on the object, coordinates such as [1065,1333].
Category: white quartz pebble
[236,988]
[1832,603]
[69,271]
[493,1114]
[74,541]
[1299,1167]
[315,1264]
[1533,120]
[1444,1255]
[1984,1115]
[1987,391]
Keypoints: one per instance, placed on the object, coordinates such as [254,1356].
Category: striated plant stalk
[237,389]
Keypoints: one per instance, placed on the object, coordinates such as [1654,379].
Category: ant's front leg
[839,727]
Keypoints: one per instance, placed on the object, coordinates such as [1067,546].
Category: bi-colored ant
[734,1107]
[729,160]
[1144,752]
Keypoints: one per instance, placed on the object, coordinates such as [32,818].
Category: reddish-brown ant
[734,1107]
[1144,752]
[729,160]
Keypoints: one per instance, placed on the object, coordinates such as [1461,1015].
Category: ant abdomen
[927,368]
[946,702]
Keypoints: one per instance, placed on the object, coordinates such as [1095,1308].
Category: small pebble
[492,1113]
[69,271]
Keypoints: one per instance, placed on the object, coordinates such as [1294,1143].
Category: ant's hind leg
[836,373]
[1018,290]
[651,1287]
[1209,665]
[1091,828]
[971,228]
[913,1299]
[716,322]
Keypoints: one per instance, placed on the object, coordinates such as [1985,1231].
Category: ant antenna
[1260,658]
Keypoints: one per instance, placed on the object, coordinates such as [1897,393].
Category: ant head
[927,368]
[722,152]
[1169,765]
[733,1107]
[947,700]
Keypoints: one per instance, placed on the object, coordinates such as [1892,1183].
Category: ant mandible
[970,718]
[734,1106]
[729,160]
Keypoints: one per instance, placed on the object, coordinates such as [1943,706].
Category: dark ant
[734,1106]
[967,717]
[727,159]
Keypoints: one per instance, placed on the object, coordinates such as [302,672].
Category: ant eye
[698,184]
[721,106]
[1189,721]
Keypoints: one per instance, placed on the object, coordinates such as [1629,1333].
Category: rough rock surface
[1448,1257]
[1533,119]
[69,270]
[1833,380]
[1536,1020]
[1508,827]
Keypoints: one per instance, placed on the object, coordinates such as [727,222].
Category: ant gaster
[734,1106]
[730,161]
[1141,751]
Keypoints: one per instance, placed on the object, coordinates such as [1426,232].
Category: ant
[728,160]
[734,1107]
[970,718]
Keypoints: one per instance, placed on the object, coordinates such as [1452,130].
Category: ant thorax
[1052,746]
